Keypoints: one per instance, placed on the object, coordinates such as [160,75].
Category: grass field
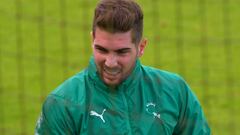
[44,42]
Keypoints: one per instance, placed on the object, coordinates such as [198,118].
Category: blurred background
[44,42]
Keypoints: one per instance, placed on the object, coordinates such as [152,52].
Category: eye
[100,49]
[123,51]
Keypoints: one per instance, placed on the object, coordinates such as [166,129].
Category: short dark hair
[119,16]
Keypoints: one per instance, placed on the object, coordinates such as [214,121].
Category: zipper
[125,102]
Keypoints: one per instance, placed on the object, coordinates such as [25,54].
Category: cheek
[128,62]
[98,60]
[98,57]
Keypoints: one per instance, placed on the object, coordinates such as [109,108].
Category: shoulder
[161,75]
[72,90]
[165,81]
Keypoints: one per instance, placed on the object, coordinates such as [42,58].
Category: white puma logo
[93,113]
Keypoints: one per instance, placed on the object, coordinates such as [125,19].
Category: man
[117,95]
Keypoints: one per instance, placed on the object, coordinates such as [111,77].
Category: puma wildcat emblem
[93,113]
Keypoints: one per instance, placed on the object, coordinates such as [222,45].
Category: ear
[141,47]
[92,38]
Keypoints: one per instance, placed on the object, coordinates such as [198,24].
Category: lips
[111,72]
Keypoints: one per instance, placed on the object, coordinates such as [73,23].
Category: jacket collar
[128,83]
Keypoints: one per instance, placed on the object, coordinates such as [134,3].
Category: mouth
[111,72]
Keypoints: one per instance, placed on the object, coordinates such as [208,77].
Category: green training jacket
[149,102]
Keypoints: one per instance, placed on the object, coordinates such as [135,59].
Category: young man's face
[115,55]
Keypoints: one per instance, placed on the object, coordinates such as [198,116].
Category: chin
[111,84]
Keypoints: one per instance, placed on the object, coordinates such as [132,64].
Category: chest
[139,112]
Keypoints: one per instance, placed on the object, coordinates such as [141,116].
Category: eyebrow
[99,47]
[118,50]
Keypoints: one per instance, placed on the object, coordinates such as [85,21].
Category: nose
[111,61]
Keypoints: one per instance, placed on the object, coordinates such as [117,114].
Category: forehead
[105,38]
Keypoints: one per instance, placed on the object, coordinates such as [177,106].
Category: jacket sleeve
[54,118]
[191,117]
